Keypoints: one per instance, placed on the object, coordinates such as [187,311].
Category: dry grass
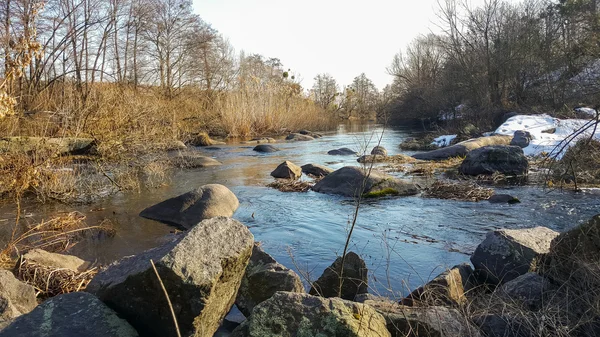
[288,185]
[49,281]
[465,191]
[580,166]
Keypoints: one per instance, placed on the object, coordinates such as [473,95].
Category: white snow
[550,143]
[588,111]
[443,141]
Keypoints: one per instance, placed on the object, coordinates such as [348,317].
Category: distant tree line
[538,54]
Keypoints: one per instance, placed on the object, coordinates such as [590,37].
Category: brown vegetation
[465,191]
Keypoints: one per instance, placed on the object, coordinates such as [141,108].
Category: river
[404,240]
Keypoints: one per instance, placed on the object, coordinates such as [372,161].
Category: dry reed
[464,191]
[288,185]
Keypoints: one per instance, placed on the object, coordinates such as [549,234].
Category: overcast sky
[342,38]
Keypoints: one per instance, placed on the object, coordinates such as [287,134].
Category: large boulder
[293,314]
[529,290]
[264,277]
[436,321]
[348,180]
[201,270]
[265,148]
[508,160]
[298,137]
[16,297]
[461,149]
[504,325]
[521,139]
[70,315]
[57,146]
[287,170]
[355,278]
[188,209]
[344,151]
[449,288]
[508,253]
[55,260]
[316,170]
[379,150]
[193,161]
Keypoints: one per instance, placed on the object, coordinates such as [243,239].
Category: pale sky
[342,38]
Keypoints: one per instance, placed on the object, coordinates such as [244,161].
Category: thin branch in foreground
[167,297]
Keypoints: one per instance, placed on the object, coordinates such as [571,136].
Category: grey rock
[188,209]
[498,325]
[263,278]
[70,315]
[521,139]
[316,170]
[287,170]
[528,289]
[503,199]
[448,288]
[461,149]
[262,140]
[508,253]
[56,260]
[293,314]
[344,151]
[201,270]
[508,160]
[265,148]
[298,137]
[348,180]
[16,297]
[193,161]
[355,278]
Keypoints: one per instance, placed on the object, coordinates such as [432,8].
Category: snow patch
[548,133]
[443,141]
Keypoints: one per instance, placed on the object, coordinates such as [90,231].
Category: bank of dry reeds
[461,190]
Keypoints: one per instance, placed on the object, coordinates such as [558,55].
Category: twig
[168,299]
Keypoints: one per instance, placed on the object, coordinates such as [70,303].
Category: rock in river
[265,148]
[344,151]
[316,170]
[298,137]
[188,209]
[201,270]
[70,315]
[287,170]
[508,160]
[462,148]
[379,150]
[355,278]
[348,180]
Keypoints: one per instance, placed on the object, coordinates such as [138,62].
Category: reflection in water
[408,238]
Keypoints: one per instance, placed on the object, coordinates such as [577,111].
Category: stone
[461,149]
[56,146]
[263,278]
[528,289]
[413,144]
[265,148]
[355,276]
[316,170]
[503,199]
[405,321]
[508,253]
[502,325]
[287,170]
[298,137]
[293,314]
[56,260]
[521,139]
[348,180]
[203,139]
[201,270]
[379,150]
[70,315]
[193,161]
[448,288]
[344,151]
[188,209]
[508,160]
[16,297]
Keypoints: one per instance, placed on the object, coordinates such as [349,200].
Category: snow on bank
[546,132]
[443,141]
[588,111]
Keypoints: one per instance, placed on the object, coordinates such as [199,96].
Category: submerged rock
[344,151]
[70,315]
[355,278]
[509,160]
[298,137]
[448,288]
[316,170]
[16,298]
[263,278]
[508,253]
[503,199]
[348,180]
[293,314]
[287,170]
[188,209]
[461,149]
[265,148]
[201,270]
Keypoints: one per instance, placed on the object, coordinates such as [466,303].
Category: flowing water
[405,240]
